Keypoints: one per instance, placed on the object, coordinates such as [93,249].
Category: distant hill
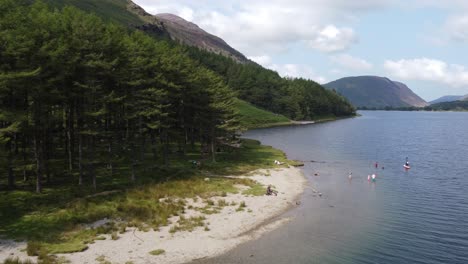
[447,98]
[185,32]
[192,35]
[376,92]
[464,98]
[449,106]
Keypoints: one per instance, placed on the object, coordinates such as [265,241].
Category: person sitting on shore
[270,191]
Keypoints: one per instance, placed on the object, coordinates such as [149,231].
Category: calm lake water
[415,216]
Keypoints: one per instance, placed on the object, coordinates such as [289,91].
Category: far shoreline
[293,123]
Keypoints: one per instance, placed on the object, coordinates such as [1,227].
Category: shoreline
[224,230]
[301,123]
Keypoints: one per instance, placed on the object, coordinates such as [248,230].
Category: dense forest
[78,94]
[81,96]
[297,99]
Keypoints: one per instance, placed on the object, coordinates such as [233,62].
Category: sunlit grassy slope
[253,117]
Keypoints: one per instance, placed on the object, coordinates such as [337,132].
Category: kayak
[406,167]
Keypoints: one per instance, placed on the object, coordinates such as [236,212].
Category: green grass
[53,221]
[157,252]
[253,117]
[16,260]
[256,190]
[109,10]
[296,163]
[188,224]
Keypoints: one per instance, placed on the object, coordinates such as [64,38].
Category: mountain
[447,98]
[374,91]
[192,35]
[464,98]
[185,32]
[263,88]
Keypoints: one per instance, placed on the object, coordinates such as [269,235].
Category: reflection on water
[414,216]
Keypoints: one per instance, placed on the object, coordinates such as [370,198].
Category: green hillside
[110,10]
[448,106]
[254,117]
[295,99]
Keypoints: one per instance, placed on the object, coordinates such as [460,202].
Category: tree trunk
[154,146]
[192,138]
[11,176]
[25,173]
[165,141]
[91,164]
[212,143]
[38,157]
[70,138]
[80,159]
[111,155]
[47,148]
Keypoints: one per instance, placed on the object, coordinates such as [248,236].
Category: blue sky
[422,43]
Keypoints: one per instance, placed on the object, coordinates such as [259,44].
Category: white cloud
[289,70]
[298,71]
[457,27]
[353,63]
[425,69]
[256,26]
[263,60]
[332,39]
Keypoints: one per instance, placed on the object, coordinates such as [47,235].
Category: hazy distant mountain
[374,91]
[464,98]
[447,98]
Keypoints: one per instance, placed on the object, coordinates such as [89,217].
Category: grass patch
[53,221]
[241,207]
[254,117]
[296,163]
[157,252]
[16,260]
[188,224]
[222,203]
[209,210]
[102,260]
[256,190]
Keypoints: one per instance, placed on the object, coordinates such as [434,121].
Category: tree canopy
[78,93]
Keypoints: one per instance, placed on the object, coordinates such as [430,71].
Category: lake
[414,216]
